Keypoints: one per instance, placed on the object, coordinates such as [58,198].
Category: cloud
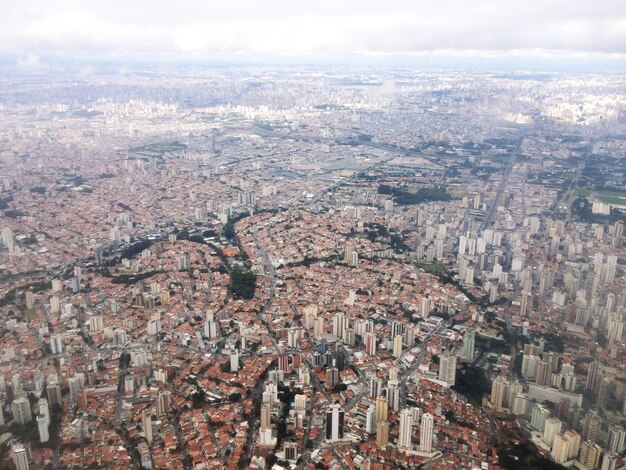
[194,28]
[30,62]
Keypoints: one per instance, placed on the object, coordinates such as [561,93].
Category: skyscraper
[146,420]
[591,429]
[370,419]
[426,433]
[393,395]
[609,461]
[7,239]
[370,344]
[590,455]
[56,344]
[498,388]
[468,344]
[594,375]
[406,429]
[615,441]
[163,403]
[334,423]
[20,457]
[552,428]
[42,426]
[397,346]
[447,368]
[382,433]
[266,420]
[381,409]
[20,408]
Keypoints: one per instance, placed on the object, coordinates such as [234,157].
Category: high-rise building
[594,375]
[426,433]
[393,394]
[538,417]
[590,455]
[468,344]
[375,385]
[591,429]
[332,377]
[20,457]
[447,368]
[318,327]
[42,425]
[266,416]
[604,390]
[54,393]
[560,449]
[74,386]
[498,389]
[163,403]
[405,436]
[615,441]
[334,423]
[382,433]
[552,428]
[8,240]
[370,344]
[234,361]
[300,402]
[370,419]
[397,346]
[146,420]
[381,409]
[20,408]
[543,373]
[30,299]
[338,324]
[351,257]
[291,451]
[529,365]
[211,328]
[573,439]
[609,461]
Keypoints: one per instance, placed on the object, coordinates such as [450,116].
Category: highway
[505,179]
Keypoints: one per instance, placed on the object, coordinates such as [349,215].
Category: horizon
[534,35]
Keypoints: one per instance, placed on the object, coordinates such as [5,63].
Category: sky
[522,30]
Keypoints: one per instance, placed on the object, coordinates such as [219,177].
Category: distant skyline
[282,31]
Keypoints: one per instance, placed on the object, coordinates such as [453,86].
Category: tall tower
[447,368]
[266,420]
[406,429]
[334,423]
[20,457]
[42,425]
[498,388]
[21,410]
[370,419]
[381,409]
[426,433]
[468,344]
[370,344]
[397,346]
[616,439]
[146,419]
[590,455]
[594,375]
[382,433]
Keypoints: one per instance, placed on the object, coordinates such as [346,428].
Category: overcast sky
[588,29]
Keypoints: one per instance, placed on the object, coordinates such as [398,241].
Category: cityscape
[268,266]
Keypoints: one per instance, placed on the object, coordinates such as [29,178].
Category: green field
[160,148]
[616,198]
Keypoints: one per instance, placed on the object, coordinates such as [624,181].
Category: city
[262,268]
[287,235]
